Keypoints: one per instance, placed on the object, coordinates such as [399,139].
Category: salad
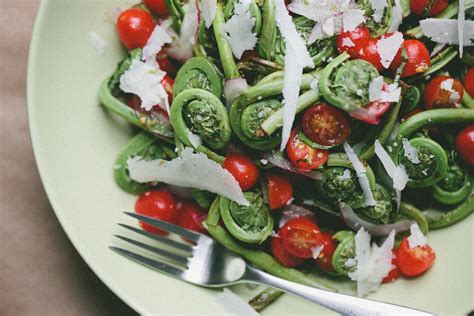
[316,139]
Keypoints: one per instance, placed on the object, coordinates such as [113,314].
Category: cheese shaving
[194,139]
[397,17]
[144,80]
[416,238]
[448,86]
[379,91]
[296,59]
[373,263]
[97,43]
[158,38]
[410,152]
[352,18]
[387,47]
[316,251]
[461,18]
[208,11]
[190,171]
[379,7]
[238,29]
[361,174]
[347,42]
[234,305]
[397,173]
[445,31]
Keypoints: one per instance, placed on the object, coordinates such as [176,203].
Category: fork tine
[159,238]
[151,263]
[166,226]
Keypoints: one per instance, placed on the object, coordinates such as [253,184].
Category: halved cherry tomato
[414,261]
[243,169]
[165,64]
[325,125]
[158,204]
[352,42]
[280,190]
[191,216]
[465,144]
[427,7]
[418,58]
[134,27]
[469,81]
[324,260]
[157,7]
[282,255]
[370,53]
[395,273]
[302,155]
[442,92]
[299,237]
[371,113]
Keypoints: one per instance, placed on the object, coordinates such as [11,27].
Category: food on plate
[316,139]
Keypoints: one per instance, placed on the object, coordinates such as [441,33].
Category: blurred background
[40,271]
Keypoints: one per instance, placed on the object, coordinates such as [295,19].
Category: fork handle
[341,303]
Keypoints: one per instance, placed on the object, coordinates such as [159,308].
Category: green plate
[76,141]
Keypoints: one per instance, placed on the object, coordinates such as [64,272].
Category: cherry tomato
[325,125]
[352,42]
[165,64]
[158,204]
[168,84]
[191,216]
[442,92]
[395,273]
[302,155]
[280,191]
[157,7]
[324,260]
[465,144]
[469,81]
[370,53]
[420,7]
[243,169]
[282,255]
[371,113]
[418,58]
[299,237]
[134,27]
[414,261]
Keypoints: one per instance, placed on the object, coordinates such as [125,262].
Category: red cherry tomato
[157,7]
[168,84]
[324,260]
[371,113]
[191,216]
[414,261]
[418,58]
[299,237]
[465,144]
[243,169]
[469,81]
[442,92]
[165,64]
[325,125]
[282,255]
[419,7]
[280,191]
[134,27]
[158,204]
[395,273]
[302,155]
[352,42]
[370,53]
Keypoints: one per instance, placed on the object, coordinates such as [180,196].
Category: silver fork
[207,263]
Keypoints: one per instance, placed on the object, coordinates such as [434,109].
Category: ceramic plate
[76,141]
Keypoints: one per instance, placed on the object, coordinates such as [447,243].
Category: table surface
[40,271]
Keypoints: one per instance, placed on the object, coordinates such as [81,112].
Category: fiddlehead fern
[225,51]
[266,41]
[344,253]
[199,73]
[340,183]
[345,84]
[145,146]
[201,113]
[381,212]
[250,224]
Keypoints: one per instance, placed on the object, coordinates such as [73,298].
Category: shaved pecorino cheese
[352,18]
[379,7]
[445,31]
[158,38]
[387,47]
[416,238]
[382,92]
[208,11]
[397,173]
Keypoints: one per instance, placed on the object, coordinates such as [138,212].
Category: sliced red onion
[233,88]
[181,192]
[366,115]
[278,161]
[355,223]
